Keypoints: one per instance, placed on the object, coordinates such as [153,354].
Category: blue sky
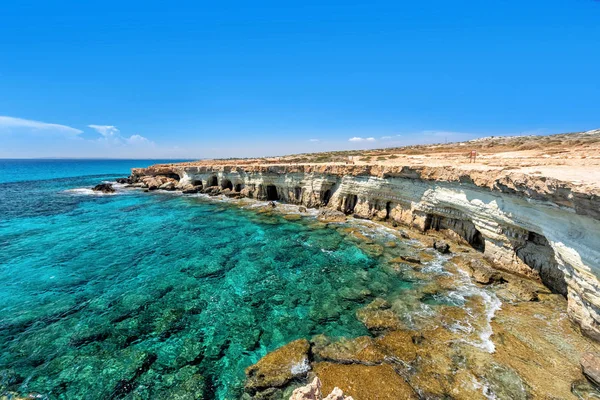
[223,79]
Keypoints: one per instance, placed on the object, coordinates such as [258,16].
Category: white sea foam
[301,367]
[88,192]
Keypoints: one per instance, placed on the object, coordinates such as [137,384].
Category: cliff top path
[568,157]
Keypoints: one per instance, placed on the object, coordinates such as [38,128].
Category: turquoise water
[156,295]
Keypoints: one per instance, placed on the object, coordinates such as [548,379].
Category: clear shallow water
[152,295]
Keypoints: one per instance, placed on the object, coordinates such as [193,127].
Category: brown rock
[399,344]
[590,366]
[483,273]
[329,215]
[359,350]
[279,366]
[364,382]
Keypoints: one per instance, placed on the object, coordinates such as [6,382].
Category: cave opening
[326,197]
[238,187]
[351,201]
[538,254]
[212,181]
[173,176]
[226,184]
[197,182]
[388,209]
[298,193]
[272,193]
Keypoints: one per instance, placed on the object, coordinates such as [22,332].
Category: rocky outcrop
[279,367]
[590,366]
[312,391]
[538,227]
[104,188]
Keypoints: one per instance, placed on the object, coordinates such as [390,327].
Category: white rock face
[536,228]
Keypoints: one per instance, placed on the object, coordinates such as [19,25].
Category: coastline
[525,321]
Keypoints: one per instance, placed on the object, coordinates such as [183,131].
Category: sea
[158,295]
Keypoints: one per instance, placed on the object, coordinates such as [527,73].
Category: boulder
[170,185]
[104,188]
[123,180]
[302,209]
[189,189]
[441,246]
[329,215]
[590,366]
[279,366]
[483,273]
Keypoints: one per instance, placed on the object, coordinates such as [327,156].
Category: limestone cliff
[539,227]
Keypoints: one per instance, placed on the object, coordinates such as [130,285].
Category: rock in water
[441,246]
[590,365]
[104,188]
[279,367]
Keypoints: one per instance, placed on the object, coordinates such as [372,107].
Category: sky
[201,79]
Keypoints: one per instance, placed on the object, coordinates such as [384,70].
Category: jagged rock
[441,246]
[302,209]
[212,190]
[123,180]
[104,188]
[272,204]
[312,391]
[590,366]
[522,290]
[279,366]
[483,273]
[189,189]
[170,185]
[329,215]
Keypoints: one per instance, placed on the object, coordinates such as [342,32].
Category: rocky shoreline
[540,228]
[493,251]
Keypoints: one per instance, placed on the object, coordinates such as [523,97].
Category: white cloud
[112,136]
[359,139]
[10,123]
[386,137]
[138,139]
[313,140]
[105,130]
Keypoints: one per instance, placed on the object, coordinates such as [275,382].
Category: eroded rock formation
[538,227]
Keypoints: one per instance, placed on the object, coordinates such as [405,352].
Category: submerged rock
[590,366]
[279,367]
[378,316]
[104,188]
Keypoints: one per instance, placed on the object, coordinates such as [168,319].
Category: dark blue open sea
[158,295]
